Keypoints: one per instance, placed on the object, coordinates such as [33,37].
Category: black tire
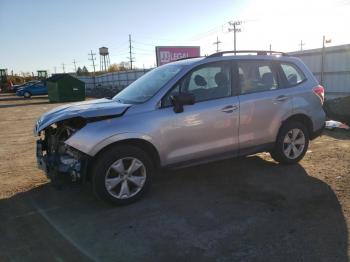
[278,153]
[27,95]
[103,164]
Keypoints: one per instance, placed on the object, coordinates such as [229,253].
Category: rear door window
[256,76]
[293,74]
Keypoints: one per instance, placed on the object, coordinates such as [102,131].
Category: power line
[207,33]
[145,54]
[120,54]
[123,45]
[217,44]
[142,49]
[142,43]
[156,38]
[92,59]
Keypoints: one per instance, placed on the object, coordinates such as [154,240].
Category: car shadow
[7,94]
[25,104]
[245,209]
[340,134]
[20,98]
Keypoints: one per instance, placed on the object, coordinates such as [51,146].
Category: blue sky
[41,34]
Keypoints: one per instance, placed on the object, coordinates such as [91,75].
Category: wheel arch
[145,145]
[302,118]
[26,91]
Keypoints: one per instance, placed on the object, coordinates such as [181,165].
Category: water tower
[104,58]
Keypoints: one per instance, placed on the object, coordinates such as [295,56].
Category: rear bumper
[318,117]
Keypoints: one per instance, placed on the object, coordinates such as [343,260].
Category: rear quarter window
[293,74]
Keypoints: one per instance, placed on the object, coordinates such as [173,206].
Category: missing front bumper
[61,166]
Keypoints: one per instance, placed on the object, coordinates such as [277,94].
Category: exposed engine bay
[57,159]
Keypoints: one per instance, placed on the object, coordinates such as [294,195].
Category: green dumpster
[64,87]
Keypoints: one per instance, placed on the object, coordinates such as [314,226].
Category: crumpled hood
[86,109]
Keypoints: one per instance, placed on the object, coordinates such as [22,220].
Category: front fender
[92,147]
[119,137]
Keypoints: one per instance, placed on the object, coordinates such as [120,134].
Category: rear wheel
[291,144]
[122,174]
[27,95]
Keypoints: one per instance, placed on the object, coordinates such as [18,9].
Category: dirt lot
[246,209]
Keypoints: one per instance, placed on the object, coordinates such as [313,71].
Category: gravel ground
[245,209]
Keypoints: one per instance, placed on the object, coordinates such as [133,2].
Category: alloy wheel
[294,143]
[125,178]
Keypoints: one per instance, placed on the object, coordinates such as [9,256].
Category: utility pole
[270,47]
[301,45]
[93,65]
[92,59]
[75,65]
[235,30]
[63,67]
[55,69]
[323,56]
[130,53]
[217,44]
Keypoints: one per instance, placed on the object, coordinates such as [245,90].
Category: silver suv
[183,113]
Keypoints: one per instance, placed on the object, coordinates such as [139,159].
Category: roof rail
[257,52]
[188,57]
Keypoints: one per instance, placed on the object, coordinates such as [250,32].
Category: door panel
[210,126]
[263,103]
[42,89]
[34,90]
[261,115]
[204,129]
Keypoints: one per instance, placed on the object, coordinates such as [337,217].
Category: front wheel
[122,174]
[291,144]
[27,95]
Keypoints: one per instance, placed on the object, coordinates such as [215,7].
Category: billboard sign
[167,54]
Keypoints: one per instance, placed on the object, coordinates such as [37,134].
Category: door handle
[281,98]
[229,109]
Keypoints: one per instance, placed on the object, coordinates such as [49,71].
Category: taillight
[319,91]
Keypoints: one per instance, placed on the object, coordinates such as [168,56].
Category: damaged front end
[59,161]
[54,156]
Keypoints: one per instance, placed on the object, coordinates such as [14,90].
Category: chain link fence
[109,84]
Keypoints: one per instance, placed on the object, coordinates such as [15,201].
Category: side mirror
[181,99]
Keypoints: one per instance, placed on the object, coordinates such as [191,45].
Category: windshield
[148,85]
